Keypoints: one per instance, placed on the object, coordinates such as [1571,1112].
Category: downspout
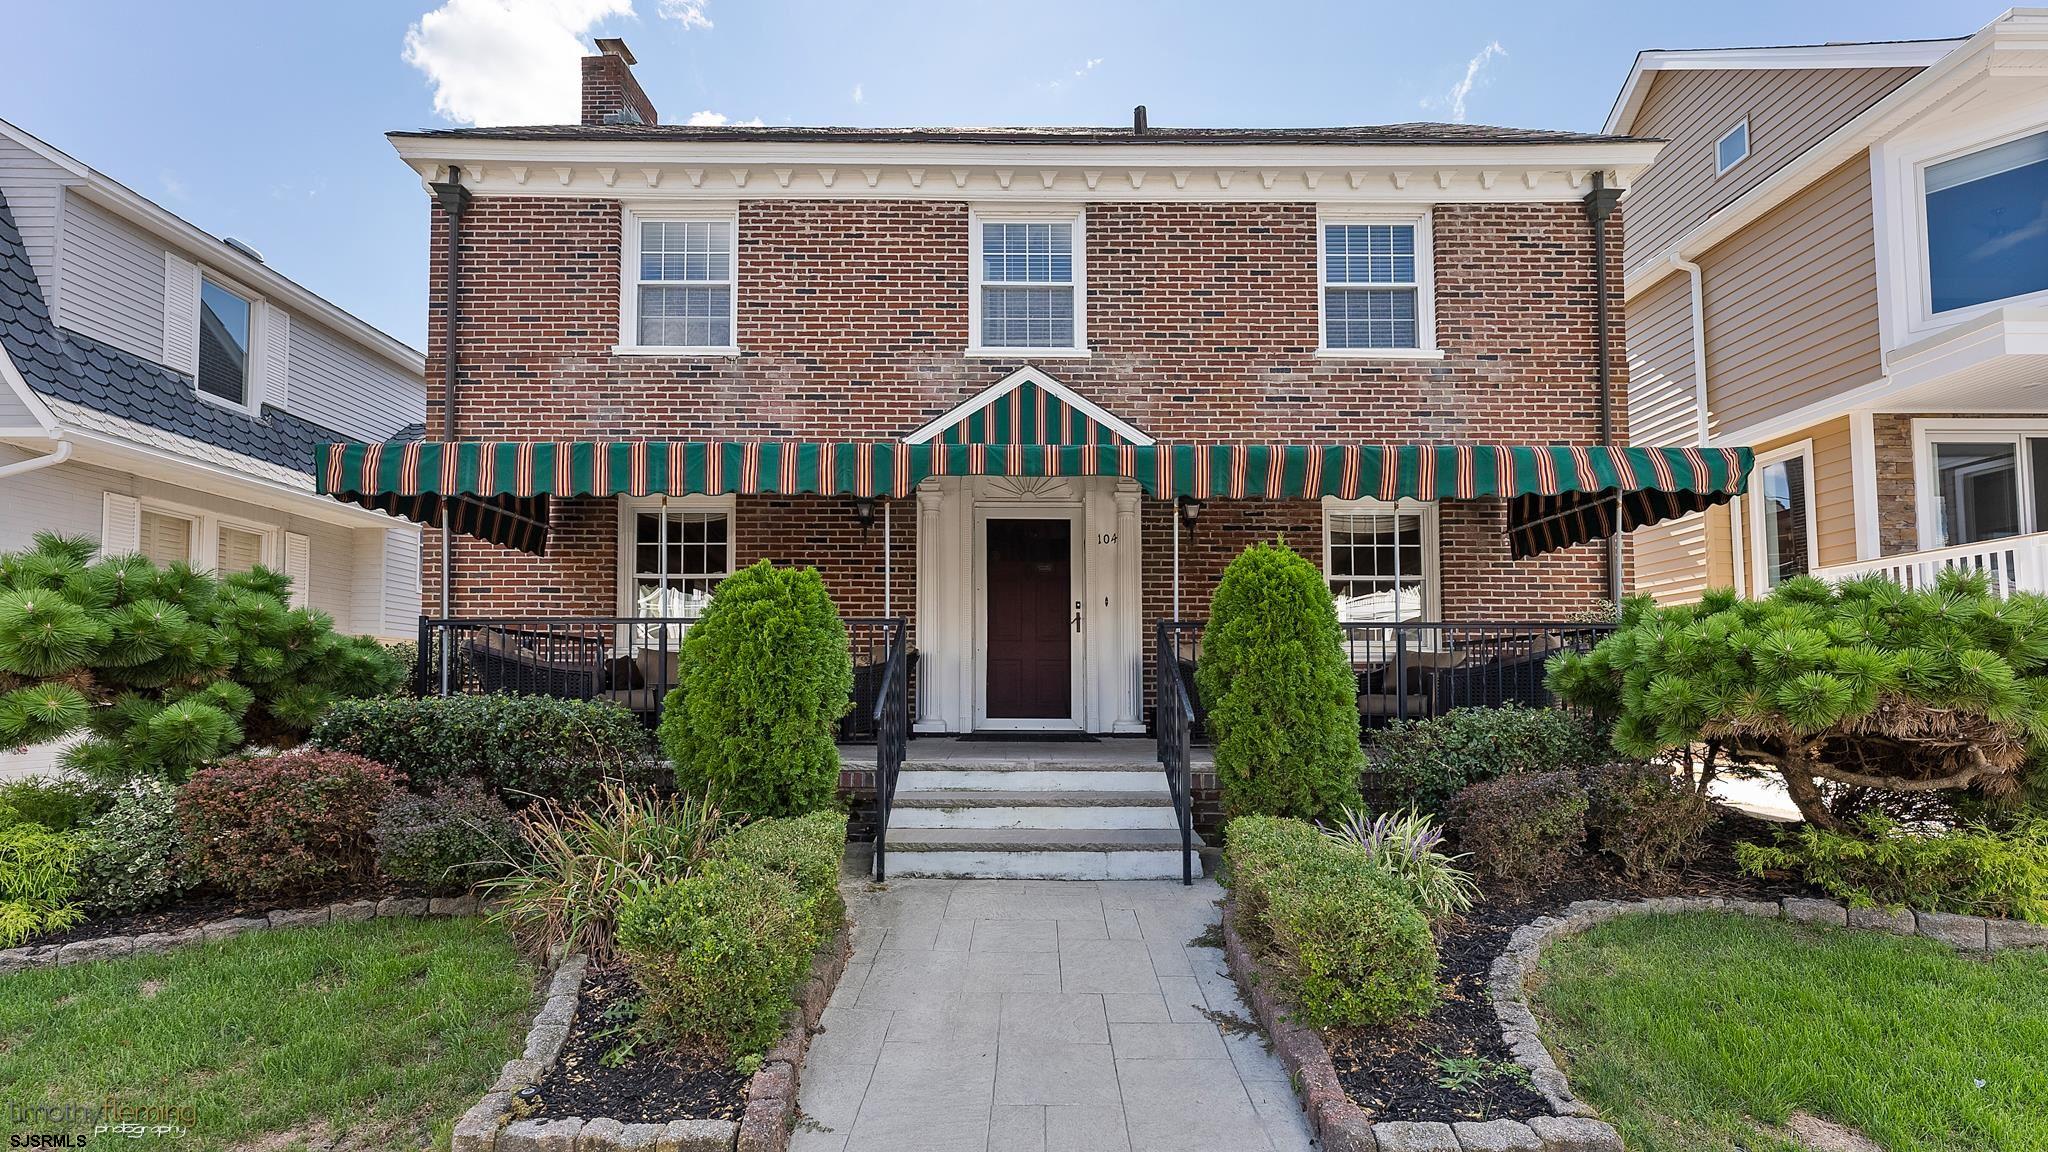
[48,459]
[453,199]
[1599,205]
[1699,401]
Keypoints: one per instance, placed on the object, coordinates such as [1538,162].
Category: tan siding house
[1826,240]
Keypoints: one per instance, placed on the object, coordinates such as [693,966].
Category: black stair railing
[1176,718]
[892,737]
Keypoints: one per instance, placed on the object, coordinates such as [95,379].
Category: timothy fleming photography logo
[95,1125]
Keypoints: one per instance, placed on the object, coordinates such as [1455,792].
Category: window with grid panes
[1378,565]
[1371,286]
[678,559]
[1027,284]
[685,284]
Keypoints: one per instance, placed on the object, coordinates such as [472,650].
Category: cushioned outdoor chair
[537,664]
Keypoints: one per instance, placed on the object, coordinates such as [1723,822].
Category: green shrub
[806,849]
[1343,936]
[1648,821]
[575,866]
[1521,829]
[1970,870]
[273,825]
[38,881]
[718,954]
[1282,698]
[59,804]
[522,746]
[165,668]
[1423,763]
[448,840]
[1843,690]
[133,850]
[766,674]
[1406,846]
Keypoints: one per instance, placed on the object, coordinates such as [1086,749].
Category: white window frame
[1754,514]
[206,528]
[631,219]
[1425,283]
[1741,126]
[1028,214]
[256,367]
[632,506]
[1926,494]
[1432,552]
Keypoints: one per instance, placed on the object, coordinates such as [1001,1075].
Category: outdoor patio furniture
[537,664]
[859,721]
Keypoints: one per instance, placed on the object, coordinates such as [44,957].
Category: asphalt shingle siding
[72,366]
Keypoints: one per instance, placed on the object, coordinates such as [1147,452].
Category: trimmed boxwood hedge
[521,746]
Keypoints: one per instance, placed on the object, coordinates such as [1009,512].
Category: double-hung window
[225,320]
[1381,560]
[1029,284]
[1987,224]
[680,274]
[1376,286]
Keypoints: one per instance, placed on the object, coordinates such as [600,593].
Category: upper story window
[1987,224]
[224,344]
[680,278]
[1376,286]
[1029,286]
[1732,148]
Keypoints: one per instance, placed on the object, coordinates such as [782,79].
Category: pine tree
[164,668]
[1859,686]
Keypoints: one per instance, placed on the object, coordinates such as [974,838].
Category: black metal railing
[630,661]
[1176,719]
[1408,671]
[892,735]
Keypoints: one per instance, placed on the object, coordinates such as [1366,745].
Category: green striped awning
[1028,414]
[1557,494]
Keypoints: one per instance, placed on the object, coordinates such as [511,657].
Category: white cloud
[507,61]
[860,95]
[688,13]
[1087,66]
[710,119]
[1455,98]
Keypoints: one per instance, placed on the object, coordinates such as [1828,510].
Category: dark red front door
[1030,620]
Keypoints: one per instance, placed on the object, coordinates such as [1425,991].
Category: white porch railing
[2014,564]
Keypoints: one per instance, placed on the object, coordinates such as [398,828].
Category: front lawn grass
[1704,1031]
[373,1035]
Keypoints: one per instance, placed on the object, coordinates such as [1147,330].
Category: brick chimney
[610,94]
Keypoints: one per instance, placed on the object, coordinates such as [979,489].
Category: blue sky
[265,121]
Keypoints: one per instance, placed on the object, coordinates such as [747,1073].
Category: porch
[2012,564]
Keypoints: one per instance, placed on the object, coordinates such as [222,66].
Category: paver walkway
[1040,1016]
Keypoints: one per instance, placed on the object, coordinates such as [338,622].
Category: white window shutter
[277,351]
[181,314]
[298,564]
[120,525]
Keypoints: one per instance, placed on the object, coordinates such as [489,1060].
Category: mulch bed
[200,909]
[649,1085]
[1396,1072]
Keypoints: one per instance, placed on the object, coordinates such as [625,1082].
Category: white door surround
[952,552]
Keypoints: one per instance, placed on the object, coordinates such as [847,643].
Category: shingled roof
[74,367]
[1417,134]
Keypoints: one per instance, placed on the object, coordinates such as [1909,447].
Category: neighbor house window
[1732,148]
[1988,484]
[237,549]
[1380,560]
[1782,503]
[1987,224]
[1375,285]
[223,343]
[166,538]
[682,274]
[1028,284]
[678,559]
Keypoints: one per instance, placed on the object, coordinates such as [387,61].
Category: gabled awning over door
[1557,495]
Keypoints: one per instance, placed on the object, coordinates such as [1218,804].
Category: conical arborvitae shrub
[165,668]
[1865,686]
[1282,698]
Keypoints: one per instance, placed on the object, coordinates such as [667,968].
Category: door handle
[1077,616]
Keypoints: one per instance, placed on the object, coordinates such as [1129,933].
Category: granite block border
[339,912]
[770,1114]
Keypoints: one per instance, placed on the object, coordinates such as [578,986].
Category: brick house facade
[1202,307]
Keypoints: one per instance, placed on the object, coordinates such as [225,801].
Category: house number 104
[1109,537]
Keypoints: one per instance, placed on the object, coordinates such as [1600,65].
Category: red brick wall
[608,87]
[853,318]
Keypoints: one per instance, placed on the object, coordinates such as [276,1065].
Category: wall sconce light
[1189,508]
[864,511]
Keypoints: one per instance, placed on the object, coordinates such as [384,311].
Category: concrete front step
[1036,853]
[1061,809]
[1024,776]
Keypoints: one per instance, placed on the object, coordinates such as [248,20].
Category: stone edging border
[340,912]
[771,1094]
[1512,968]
